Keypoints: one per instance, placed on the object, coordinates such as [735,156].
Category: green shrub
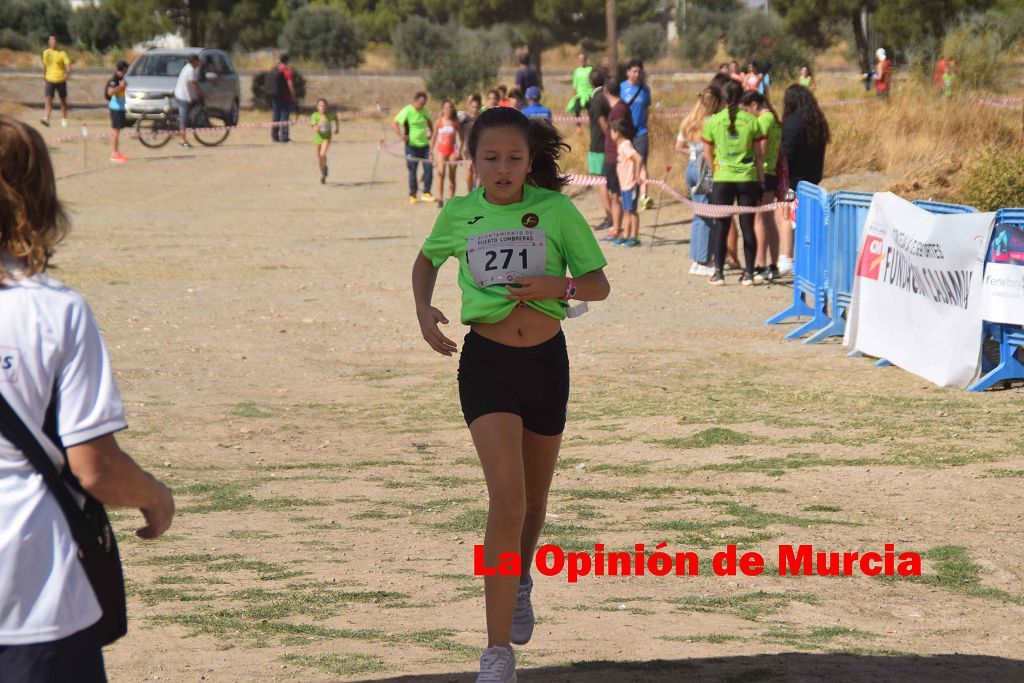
[261,101]
[457,73]
[326,34]
[95,28]
[645,41]
[34,21]
[759,36]
[420,43]
[995,180]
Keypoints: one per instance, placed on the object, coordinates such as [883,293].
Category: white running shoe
[701,269]
[522,618]
[785,265]
[497,665]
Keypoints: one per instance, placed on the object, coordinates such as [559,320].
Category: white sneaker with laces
[497,665]
[701,269]
[785,265]
[522,619]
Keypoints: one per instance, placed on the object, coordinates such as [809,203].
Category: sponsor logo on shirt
[530,220]
[475,219]
[8,364]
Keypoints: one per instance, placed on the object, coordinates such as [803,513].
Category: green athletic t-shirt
[414,122]
[322,132]
[734,154]
[771,130]
[561,231]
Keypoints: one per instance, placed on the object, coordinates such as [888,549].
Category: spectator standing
[115,104]
[534,109]
[940,71]
[883,75]
[414,126]
[56,70]
[730,148]
[186,92]
[282,98]
[702,231]
[526,76]
[637,95]
[503,100]
[58,381]
[805,134]
[752,79]
[598,114]
[765,228]
[617,109]
[806,79]
[493,99]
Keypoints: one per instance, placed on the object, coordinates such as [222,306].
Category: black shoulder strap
[14,430]
[639,89]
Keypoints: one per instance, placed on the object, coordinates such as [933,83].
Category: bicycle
[156,130]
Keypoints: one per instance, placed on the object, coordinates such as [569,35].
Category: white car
[151,79]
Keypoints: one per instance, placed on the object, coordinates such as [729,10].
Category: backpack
[274,84]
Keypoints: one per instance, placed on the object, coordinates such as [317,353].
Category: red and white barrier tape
[702,210]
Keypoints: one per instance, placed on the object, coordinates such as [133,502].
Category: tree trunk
[612,38]
[535,48]
[861,39]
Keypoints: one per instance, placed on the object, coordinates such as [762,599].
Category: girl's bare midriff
[525,326]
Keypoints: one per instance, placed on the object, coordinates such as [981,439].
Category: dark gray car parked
[152,77]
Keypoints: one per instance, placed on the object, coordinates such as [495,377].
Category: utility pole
[612,36]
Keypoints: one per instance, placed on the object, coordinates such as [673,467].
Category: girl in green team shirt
[320,122]
[513,237]
[765,229]
[738,176]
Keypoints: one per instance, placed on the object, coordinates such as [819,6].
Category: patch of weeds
[440,640]
[231,625]
[713,638]
[249,409]
[940,455]
[154,596]
[360,464]
[776,466]
[187,579]
[249,534]
[716,436]
[565,463]
[468,586]
[659,508]
[568,537]
[467,521]
[956,572]
[811,639]
[636,469]
[751,517]
[453,481]
[1004,473]
[595,494]
[822,508]
[234,496]
[339,665]
[583,511]
[287,466]
[371,514]
[765,489]
[749,606]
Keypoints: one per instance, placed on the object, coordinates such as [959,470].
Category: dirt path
[262,329]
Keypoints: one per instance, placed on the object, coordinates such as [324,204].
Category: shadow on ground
[777,667]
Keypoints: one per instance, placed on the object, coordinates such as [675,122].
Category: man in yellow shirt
[56,69]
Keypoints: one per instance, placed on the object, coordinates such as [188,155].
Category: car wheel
[233,114]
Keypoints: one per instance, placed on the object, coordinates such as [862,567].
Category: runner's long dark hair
[545,143]
[731,94]
[754,97]
[799,98]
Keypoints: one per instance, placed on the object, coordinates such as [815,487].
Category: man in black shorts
[56,69]
[118,120]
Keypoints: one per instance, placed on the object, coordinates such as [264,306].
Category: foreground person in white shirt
[52,360]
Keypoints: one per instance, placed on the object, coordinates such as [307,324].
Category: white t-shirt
[181,89]
[50,350]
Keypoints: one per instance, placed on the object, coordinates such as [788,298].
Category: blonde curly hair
[32,219]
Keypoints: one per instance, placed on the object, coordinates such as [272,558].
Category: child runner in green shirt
[320,122]
[513,237]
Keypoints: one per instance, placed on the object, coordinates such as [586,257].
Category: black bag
[274,84]
[97,547]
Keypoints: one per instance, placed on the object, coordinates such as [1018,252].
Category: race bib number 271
[503,256]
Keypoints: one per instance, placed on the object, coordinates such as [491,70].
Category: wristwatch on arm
[570,288]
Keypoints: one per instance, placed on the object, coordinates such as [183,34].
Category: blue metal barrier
[847,213]
[941,207]
[810,262]
[1009,337]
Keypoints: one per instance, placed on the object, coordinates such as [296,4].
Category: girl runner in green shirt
[320,122]
[513,237]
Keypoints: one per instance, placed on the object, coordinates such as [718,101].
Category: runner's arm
[112,477]
[424,277]
[398,131]
[759,160]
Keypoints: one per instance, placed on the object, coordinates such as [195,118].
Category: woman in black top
[805,135]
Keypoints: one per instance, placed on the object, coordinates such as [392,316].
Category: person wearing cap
[534,109]
[883,75]
[115,104]
[186,91]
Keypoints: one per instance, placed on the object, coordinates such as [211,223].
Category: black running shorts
[531,382]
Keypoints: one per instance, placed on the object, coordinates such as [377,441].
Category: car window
[220,65]
[158,65]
